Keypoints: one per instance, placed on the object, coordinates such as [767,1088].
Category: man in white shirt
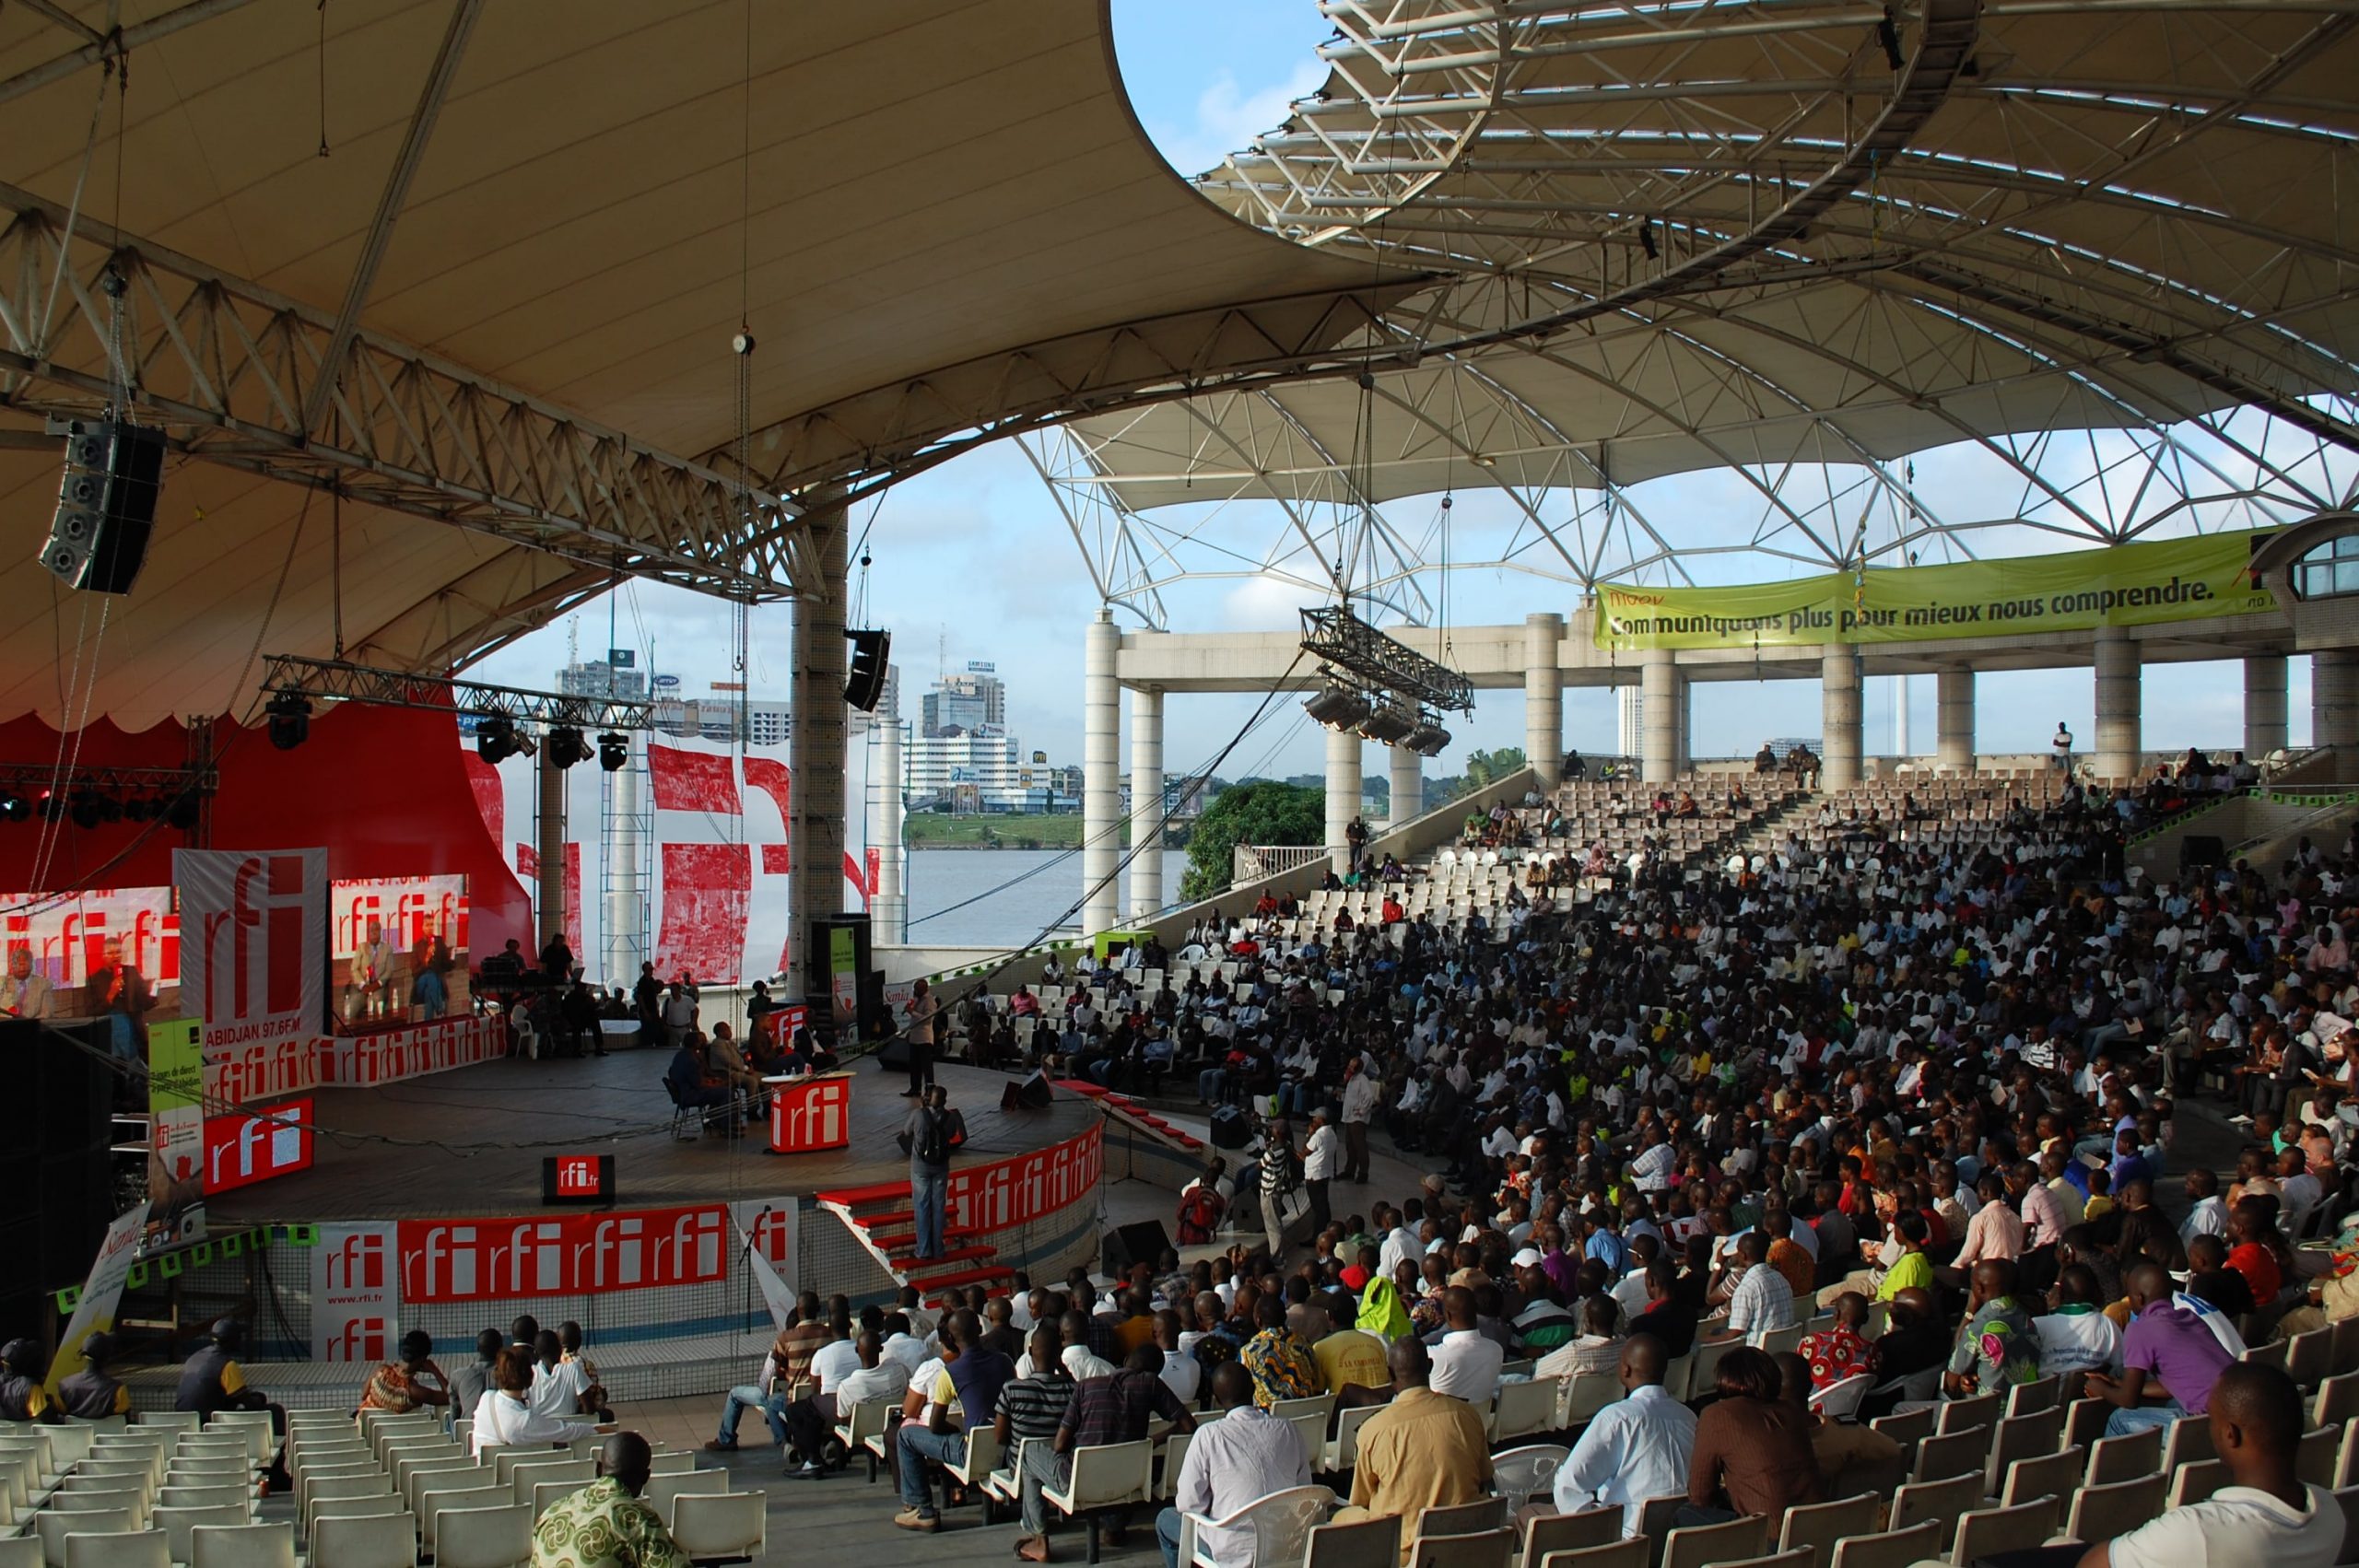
[2077,1337]
[1362,1091]
[2266,1516]
[1762,1301]
[1635,1448]
[1465,1360]
[2207,1214]
[1241,1458]
[1321,1155]
[23,993]
[873,1379]
[1182,1372]
[1652,1167]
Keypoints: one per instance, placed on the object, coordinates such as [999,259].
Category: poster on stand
[253,943]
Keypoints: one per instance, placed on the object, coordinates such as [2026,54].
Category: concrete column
[888,905]
[1662,726]
[2265,712]
[2334,697]
[623,931]
[548,889]
[1953,721]
[1838,674]
[1146,803]
[1544,698]
[2119,704]
[814,756]
[1342,793]
[1408,782]
[1101,784]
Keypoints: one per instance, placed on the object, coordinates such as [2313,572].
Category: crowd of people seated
[1927,1087]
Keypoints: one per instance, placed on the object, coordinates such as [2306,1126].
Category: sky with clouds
[972,561]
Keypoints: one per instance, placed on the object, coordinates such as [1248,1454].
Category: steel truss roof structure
[2087,262]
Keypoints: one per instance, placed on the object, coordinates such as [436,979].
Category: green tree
[1487,768]
[1261,813]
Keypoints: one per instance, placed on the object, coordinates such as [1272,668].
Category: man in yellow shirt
[1347,1356]
[1424,1450]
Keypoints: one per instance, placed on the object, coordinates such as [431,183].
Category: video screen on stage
[398,950]
[86,954]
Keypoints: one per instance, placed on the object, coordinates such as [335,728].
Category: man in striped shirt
[1032,1409]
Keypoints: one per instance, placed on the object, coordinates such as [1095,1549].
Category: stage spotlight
[15,807]
[1428,738]
[568,747]
[1387,724]
[49,806]
[86,810]
[290,720]
[495,740]
[182,811]
[614,751]
[1338,708]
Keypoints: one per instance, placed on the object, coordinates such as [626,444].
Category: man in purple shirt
[2169,1360]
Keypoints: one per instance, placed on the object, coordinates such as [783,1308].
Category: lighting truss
[337,681]
[36,779]
[1342,641]
[230,370]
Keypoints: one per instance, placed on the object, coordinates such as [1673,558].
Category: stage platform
[458,1133]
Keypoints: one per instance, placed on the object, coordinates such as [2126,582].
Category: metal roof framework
[2089,254]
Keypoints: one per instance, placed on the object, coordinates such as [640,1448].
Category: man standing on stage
[934,1132]
[119,994]
[922,1009]
[23,993]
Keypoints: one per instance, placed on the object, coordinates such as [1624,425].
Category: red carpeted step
[907,1262]
[853,1197]
[984,1275]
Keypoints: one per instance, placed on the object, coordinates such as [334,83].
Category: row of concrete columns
[2114,749]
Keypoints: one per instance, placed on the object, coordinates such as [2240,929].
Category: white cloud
[1228,118]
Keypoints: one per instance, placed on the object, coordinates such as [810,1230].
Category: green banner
[2125,585]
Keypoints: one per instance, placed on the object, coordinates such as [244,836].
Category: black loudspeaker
[1032,1095]
[864,677]
[2202,849]
[106,505]
[1231,1129]
[1125,1245]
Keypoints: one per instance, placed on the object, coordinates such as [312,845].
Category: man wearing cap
[91,1394]
[211,1381]
[1322,1152]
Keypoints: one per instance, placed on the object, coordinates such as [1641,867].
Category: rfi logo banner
[253,942]
[773,1228]
[490,1259]
[1018,1191]
[271,1141]
[355,1295]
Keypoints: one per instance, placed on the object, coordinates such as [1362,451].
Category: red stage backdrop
[382,789]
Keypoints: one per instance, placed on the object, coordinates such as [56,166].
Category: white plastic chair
[176,1524]
[52,1526]
[1281,1523]
[20,1552]
[140,1549]
[1840,1401]
[1521,1474]
[484,1538]
[383,1541]
[242,1546]
[1521,1408]
[717,1526]
[1103,1476]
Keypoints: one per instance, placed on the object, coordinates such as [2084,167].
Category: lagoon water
[1042,887]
